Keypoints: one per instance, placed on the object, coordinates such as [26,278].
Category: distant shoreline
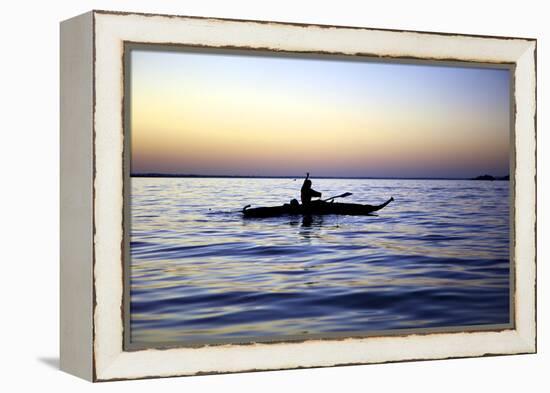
[178,175]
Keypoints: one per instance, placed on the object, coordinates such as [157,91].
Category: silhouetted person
[307,192]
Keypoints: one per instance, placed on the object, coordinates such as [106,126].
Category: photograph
[279,196]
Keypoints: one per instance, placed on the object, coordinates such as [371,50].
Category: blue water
[438,256]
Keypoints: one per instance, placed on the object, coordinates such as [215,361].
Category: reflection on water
[436,257]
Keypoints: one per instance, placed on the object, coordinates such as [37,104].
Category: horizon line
[186,175]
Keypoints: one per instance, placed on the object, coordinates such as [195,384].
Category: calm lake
[438,256]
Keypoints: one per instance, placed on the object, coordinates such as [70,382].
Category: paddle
[344,195]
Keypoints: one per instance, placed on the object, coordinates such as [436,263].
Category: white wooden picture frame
[92,194]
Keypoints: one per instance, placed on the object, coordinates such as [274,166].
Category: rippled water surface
[438,256]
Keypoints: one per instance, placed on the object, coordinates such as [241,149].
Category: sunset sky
[234,114]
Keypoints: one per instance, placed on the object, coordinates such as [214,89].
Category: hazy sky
[230,114]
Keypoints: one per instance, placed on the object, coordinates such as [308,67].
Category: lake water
[438,256]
